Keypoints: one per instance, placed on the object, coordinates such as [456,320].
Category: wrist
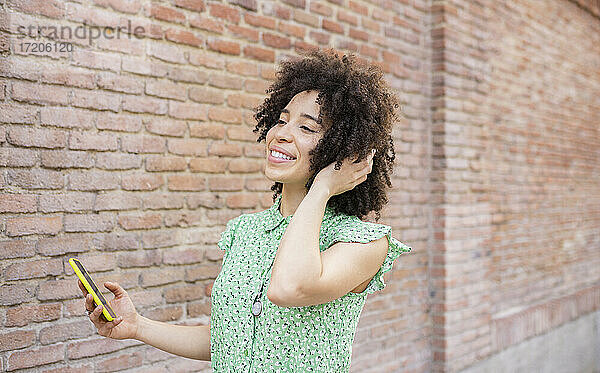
[141,324]
[320,191]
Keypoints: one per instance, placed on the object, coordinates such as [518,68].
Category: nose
[283,133]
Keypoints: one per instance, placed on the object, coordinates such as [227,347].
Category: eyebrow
[303,115]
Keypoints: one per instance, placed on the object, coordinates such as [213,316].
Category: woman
[295,276]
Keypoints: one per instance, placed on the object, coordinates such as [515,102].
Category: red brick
[207,24]
[145,104]
[141,182]
[95,262]
[292,30]
[276,41]
[260,21]
[171,313]
[68,76]
[69,202]
[33,269]
[66,117]
[225,12]
[36,179]
[117,201]
[163,276]
[256,86]
[332,26]
[160,238]
[358,34]
[118,161]
[187,110]
[16,248]
[167,127]
[296,3]
[18,203]
[66,159]
[15,294]
[36,137]
[244,32]
[17,339]
[25,314]
[206,95]
[225,81]
[242,201]
[96,60]
[202,272]
[144,67]
[210,165]
[225,115]
[119,122]
[163,201]
[147,221]
[93,180]
[143,144]
[197,5]
[78,350]
[184,37]
[120,362]
[320,8]
[226,150]
[184,293]
[35,357]
[119,83]
[188,147]
[306,18]
[186,183]
[241,133]
[183,256]
[225,183]
[169,163]
[259,54]
[199,309]
[166,14]
[16,157]
[183,219]
[245,166]
[48,8]
[63,332]
[181,74]
[145,258]
[33,225]
[72,243]
[167,52]
[223,46]
[40,93]
[89,223]
[93,141]
[347,17]
[21,114]
[117,241]
[242,68]
[208,200]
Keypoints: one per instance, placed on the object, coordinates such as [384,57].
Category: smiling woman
[295,277]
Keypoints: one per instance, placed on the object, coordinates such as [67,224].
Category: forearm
[298,258]
[188,341]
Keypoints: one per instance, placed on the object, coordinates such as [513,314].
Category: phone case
[92,288]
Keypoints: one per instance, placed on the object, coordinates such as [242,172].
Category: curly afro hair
[357,108]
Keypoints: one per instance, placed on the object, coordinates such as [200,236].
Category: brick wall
[516,173]
[131,153]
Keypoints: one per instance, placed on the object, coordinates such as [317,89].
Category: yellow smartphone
[91,287]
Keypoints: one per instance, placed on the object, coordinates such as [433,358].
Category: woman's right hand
[125,325]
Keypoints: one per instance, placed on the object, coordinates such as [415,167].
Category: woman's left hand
[346,178]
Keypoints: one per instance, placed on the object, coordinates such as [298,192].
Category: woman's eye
[307,129]
[280,122]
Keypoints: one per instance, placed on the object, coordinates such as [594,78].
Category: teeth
[277,154]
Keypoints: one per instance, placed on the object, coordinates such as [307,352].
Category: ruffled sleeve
[356,230]
[228,234]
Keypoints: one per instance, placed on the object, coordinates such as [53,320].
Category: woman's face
[295,135]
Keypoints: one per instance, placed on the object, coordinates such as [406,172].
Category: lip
[276,148]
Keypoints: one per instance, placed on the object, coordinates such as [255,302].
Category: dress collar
[273,216]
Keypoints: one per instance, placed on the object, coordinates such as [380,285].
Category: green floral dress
[316,338]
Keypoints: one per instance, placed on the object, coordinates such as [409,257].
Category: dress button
[246,352]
